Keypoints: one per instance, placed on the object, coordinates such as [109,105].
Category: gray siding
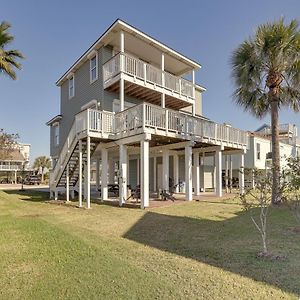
[54,149]
[84,93]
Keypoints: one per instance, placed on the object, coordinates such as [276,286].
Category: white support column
[166,170]
[203,170]
[88,166]
[67,184]
[226,174]
[123,175]
[218,163]
[80,175]
[104,169]
[122,47]
[55,194]
[196,179]
[188,173]
[176,172]
[144,173]
[97,173]
[163,101]
[241,174]
[154,173]
[230,173]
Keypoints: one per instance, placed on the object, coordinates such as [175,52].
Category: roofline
[128,26]
[200,88]
[54,119]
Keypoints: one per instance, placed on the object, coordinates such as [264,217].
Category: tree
[266,73]
[8,57]
[42,162]
[8,142]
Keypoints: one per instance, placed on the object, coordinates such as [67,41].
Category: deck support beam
[154,173]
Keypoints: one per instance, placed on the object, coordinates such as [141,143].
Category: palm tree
[8,57]
[42,162]
[266,73]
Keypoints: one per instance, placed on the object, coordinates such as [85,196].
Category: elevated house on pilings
[131,105]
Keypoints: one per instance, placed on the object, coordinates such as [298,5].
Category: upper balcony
[147,82]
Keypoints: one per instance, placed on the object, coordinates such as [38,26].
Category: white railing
[89,120]
[10,167]
[151,116]
[139,69]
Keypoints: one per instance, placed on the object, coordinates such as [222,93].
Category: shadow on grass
[29,195]
[229,244]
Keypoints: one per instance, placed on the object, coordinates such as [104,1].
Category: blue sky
[52,34]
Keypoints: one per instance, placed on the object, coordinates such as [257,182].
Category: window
[71,87]
[258,151]
[94,68]
[56,135]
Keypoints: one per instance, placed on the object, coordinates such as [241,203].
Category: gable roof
[122,25]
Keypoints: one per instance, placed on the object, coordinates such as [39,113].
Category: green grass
[199,250]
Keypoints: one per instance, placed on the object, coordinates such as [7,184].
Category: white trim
[89,105]
[92,55]
[71,79]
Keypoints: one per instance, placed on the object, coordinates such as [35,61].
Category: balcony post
[154,173]
[144,116]
[87,121]
[193,92]
[122,47]
[163,101]
[97,174]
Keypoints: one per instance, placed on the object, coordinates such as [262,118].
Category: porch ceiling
[148,95]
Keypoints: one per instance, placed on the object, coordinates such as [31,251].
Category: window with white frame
[258,151]
[56,135]
[71,86]
[94,68]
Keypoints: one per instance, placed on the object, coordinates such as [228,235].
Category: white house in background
[17,161]
[131,105]
[259,153]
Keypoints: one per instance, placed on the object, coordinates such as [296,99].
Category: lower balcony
[164,123]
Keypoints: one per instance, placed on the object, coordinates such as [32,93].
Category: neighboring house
[259,153]
[17,161]
[131,104]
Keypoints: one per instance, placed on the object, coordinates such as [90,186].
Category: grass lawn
[198,250]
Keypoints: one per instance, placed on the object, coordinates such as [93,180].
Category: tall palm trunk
[275,151]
